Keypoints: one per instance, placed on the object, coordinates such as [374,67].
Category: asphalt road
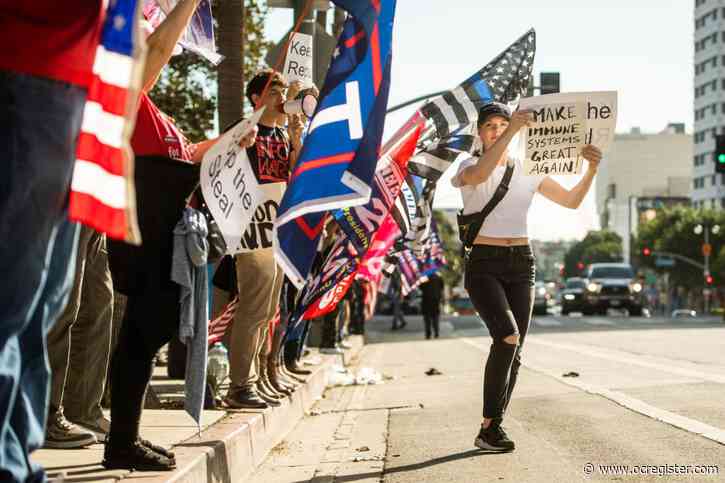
[642,399]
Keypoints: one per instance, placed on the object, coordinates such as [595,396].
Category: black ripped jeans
[500,282]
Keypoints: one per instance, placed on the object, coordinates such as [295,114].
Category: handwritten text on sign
[228,184]
[600,109]
[298,61]
[554,138]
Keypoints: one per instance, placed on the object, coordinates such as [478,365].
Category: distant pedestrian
[432,290]
[500,269]
[396,297]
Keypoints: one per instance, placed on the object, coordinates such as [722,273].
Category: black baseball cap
[493,109]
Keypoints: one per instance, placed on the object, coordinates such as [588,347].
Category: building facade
[708,188]
[642,167]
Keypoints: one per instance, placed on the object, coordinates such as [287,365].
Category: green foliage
[452,273]
[187,87]
[186,92]
[673,230]
[255,45]
[597,247]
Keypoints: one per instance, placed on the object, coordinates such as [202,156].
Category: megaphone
[306,105]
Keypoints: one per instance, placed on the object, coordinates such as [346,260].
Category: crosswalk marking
[691,425]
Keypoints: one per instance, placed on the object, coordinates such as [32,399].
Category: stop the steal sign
[298,61]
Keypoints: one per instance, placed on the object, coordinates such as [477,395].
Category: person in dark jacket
[432,290]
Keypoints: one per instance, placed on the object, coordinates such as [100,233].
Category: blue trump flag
[336,166]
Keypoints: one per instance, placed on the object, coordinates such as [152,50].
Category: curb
[231,449]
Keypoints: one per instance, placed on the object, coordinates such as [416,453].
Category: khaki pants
[259,281]
[79,344]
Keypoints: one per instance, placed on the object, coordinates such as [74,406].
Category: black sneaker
[135,457]
[244,398]
[494,438]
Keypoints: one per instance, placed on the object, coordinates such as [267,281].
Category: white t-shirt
[509,218]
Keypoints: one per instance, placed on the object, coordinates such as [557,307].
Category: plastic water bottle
[218,365]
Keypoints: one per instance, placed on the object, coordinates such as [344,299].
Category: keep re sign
[298,59]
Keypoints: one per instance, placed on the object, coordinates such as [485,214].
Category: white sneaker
[100,427]
[345,345]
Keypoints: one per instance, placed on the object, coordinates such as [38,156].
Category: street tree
[189,87]
[452,272]
[596,247]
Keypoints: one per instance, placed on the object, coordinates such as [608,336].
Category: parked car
[542,298]
[572,296]
[612,285]
[462,306]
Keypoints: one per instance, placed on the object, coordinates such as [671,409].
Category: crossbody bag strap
[498,195]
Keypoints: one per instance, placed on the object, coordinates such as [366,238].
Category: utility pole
[308,23]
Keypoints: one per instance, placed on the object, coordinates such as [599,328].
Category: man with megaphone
[255,378]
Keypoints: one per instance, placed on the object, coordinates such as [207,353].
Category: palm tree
[231,74]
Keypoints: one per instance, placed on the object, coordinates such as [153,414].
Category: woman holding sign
[500,268]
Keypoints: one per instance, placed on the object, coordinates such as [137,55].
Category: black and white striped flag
[434,159]
[503,79]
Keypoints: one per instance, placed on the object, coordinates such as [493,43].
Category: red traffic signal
[646,251]
[709,280]
[580,266]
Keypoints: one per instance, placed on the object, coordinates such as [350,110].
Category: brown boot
[275,380]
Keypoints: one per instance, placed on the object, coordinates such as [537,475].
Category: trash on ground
[570,374]
[433,372]
[340,376]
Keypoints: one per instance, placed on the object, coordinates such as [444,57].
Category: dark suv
[612,285]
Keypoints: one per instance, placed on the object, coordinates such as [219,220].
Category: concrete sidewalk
[228,449]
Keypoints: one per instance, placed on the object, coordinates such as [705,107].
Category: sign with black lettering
[600,122]
[229,185]
[555,137]
[259,231]
[298,61]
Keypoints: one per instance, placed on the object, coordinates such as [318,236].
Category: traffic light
[709,280]
[720,153]
[580,266]
[646,251]
[549,82]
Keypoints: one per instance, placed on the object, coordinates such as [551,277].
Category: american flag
[102,190]
[218,326]
[434,159]
[503,79]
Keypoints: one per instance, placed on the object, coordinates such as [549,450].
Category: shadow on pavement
[411,467]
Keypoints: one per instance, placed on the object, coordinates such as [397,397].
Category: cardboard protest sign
[298,59]
[228,183]
[555,137]
[259,230]
[598,128]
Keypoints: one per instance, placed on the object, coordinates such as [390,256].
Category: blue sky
[643,49]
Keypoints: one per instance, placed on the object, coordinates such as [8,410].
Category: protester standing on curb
[45,69]
[79,347]
[164,179]
[259,278]
[500,269]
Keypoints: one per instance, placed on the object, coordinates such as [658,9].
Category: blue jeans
[39,124]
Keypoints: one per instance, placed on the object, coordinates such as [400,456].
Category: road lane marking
[596,321]
[547,322]
[618,356]
[636,405]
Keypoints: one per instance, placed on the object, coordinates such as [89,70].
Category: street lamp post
[706,251]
